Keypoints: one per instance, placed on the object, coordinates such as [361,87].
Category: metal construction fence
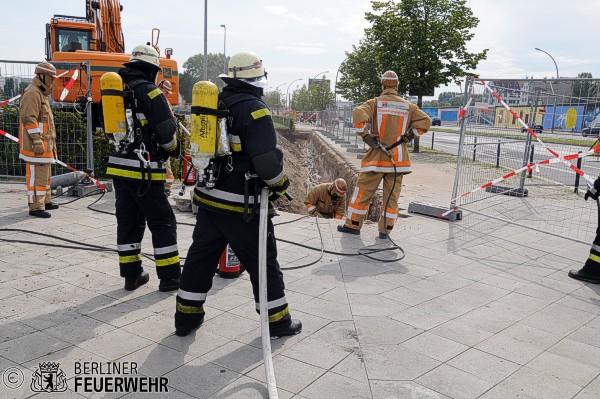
[508,173]
[72,121]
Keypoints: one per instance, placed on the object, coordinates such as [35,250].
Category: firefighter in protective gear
[388,120]
[255,162]
[590,272]
[167,88]
[37,139]
[327,200]
[139,177]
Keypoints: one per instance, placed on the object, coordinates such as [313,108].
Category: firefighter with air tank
[228,192]
[139,124]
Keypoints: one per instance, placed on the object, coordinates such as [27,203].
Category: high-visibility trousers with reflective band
[212,233]
[132,214]
[592,264]
[37,180]
[367,184]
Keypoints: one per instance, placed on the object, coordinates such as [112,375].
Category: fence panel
[546,197]
[73,127]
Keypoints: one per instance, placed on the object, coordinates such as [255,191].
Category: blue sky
[300,39]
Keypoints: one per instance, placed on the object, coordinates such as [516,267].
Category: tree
[424,41]
[315,97]
[194,72]
[9,87]
[583,89]
[447,95]
[273,99]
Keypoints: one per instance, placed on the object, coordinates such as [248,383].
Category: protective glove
[279,190]
[38,147]
[408,136]
[593,191]
[371,140]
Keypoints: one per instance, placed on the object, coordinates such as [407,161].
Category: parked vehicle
[536,127]
[591,130]
[436,122]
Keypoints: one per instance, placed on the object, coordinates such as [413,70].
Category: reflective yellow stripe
[595,258]
[167,262]
[189,309]
[236,147]
[154,93]
[134,175]
[219,205]
[280,182]
[144,122]
[130,258]
[279,315]
[260,113]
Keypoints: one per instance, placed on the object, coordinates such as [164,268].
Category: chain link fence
[72,122]
[507,173]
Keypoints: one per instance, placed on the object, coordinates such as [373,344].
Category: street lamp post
[556,66]
[288,90]
[277,90]
[320,73]
[224,47]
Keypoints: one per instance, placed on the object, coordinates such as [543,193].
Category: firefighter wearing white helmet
[37,139]
[228,212]
[138,171]
[391,121]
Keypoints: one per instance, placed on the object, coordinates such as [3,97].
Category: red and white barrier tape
[463,111]
[528,167]
[514,114]
[10,100]
[69,84]
[58,161]
[8,135]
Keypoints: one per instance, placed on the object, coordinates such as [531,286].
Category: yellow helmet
[45,68]
[245,65]
[144,54]
[389,79]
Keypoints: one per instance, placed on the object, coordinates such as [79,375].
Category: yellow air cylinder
[113,106]
[203,141]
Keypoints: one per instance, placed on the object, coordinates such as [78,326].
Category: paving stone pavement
[463,315]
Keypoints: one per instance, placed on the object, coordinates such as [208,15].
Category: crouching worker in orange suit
[327,200]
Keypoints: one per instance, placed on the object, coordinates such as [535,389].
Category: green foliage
[194,72]
[583,89]
[273,99]
[424,41]
[316,97]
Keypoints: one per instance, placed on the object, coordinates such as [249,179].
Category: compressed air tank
[204,138]
[113,107]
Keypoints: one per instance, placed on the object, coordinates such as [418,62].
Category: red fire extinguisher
[188,173]
[229,264]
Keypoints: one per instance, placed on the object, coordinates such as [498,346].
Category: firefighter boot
[185,323]
[168,284]
[50,206]
[292,327]
[40,214]
[131,283]
[583,275]
[345,229]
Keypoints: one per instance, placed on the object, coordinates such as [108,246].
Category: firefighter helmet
[45,68]
[245,65]
[144,54]
[166,86]
[389,79]
[340,186]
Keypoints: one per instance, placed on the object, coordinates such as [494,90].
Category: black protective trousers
[132,213]
[212,233]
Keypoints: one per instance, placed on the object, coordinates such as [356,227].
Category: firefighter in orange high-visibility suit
[393,120]
[37,140]
[327,200]
[167,88]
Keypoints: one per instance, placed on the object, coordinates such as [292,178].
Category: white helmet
[45,68]
[245,65]
[146,54]
[389,79]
